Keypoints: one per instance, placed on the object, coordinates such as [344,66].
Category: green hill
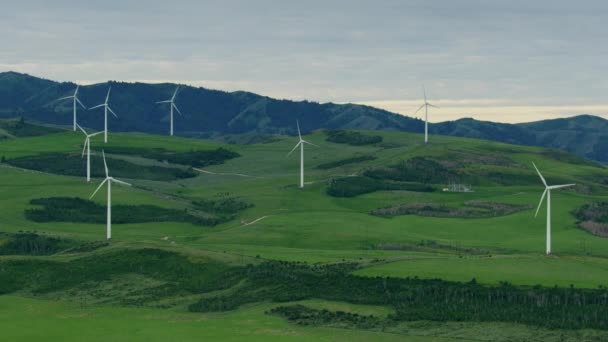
[310,262]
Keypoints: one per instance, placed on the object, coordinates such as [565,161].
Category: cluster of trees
[303,315]
[32,244]
[352,137]
[343,162]
[473,209]
[73,209]
[358,185]
[73,165]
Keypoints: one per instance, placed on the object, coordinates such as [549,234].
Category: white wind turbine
[108,180]
[301,144]
[76,103]
[547,192]
[106,108]
[426,106]
[87,148]
[172,102]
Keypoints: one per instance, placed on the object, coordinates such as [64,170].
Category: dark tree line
[72,164]
[417,299]
[73,209]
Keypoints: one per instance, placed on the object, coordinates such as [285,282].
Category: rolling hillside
[212,113]
[234,241]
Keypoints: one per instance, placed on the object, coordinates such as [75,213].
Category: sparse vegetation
[352,138]
[342,162]
[593,218]
[21,128]
[190,158]
[358,185]
[417,169]
[472,209]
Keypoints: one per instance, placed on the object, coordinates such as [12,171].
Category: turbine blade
[430,105]
[111,111]
[94,134]
[101,105]
[105,165]
[424,91]
[309,143]
[540,175]
[174,93]
[298,124]
[177,109]
[119,181]
[166,101]
[542,198]
[76,91]
[561,186]
[82,129]
[65,98]
[84,148]
[294,148]
[419,108]
[108,96]
[99,187]
[80,103]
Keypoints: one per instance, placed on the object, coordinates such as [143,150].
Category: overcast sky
[505,61]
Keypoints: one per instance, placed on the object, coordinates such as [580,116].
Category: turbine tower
[547,192]
[106,108]
[108,180]
[87,147]
[426,106]
[301,145]
[75,105]
[172,102]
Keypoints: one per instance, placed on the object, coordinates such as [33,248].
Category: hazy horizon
[504,62]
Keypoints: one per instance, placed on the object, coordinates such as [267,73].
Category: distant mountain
[206,112]
[583,135]
[209,113]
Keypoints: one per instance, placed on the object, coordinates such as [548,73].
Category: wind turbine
[87,147]
[301,144]
[108,180]
[547,192]
[426,106]
[172,102]
[106,108]
[76,103]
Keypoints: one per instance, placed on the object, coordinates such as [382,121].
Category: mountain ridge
[209,112]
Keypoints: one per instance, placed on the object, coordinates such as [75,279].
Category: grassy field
[288,223]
